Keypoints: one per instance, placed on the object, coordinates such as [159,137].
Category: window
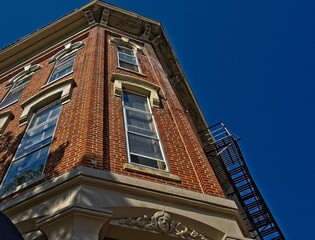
[32,153]
[127,58]
[143,142]
[15,91]
[64,66]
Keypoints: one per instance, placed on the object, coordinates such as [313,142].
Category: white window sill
[129,70]
[148,171]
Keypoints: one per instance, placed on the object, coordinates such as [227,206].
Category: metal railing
[223,152]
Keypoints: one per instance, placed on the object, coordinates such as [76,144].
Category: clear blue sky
[250,64]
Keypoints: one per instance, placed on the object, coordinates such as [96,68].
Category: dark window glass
[32,153]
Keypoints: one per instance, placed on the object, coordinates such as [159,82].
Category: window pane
[125,50]
[63,67]
[68,57]
[147,162]
[59,72]
[40,118]
[10,99]
[144,146]
[45,115]
[40,131]
[36,138]
[32,153]
[25,169]
[15,92]
[21,82]
[127,58]
[141,123]
[128,66]
[136,101]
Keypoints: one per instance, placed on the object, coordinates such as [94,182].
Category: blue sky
[250,64]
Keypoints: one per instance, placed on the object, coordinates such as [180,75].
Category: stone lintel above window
[137,85]
[123,41]
[26,71]
[61,90]
[67,49]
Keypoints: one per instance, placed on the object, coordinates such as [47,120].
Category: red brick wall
[182,149]
[90,130]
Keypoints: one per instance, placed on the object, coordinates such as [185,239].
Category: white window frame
[18,89]
[59,62]
[30,129]
[157,138]
[134,55]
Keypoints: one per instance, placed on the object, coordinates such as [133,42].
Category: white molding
[152,172]
[123,41]
[68,48]
[5,118]
[26,71]
[61,90]
[136,85]
[93,189]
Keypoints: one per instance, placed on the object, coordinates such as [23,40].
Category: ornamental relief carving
[162,222]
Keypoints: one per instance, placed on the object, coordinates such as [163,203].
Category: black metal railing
[225,156]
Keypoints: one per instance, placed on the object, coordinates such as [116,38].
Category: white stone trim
[67,49]
[60,90]
[123,41]
[101,192]
[5,118]
[105,17]
[75,222]
[26,71]
[137,85]
[152,172]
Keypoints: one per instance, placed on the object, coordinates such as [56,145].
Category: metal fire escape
[225,156]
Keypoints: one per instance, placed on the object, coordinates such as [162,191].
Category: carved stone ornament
[105,16]
[162,222]
[147,30]
[89,17]
[157,40]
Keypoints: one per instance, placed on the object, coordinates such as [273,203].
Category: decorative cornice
[162,222]
[89,17]
[147,30]
[157,40]
[105,16]
[175,79]
[119,20]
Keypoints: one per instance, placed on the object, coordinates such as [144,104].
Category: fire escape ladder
[225,156]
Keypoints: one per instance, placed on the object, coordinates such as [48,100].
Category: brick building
[98,135]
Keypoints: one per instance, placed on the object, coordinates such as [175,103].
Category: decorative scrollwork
[162,222]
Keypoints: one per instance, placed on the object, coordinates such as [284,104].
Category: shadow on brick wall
[8,146]
[54,166]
